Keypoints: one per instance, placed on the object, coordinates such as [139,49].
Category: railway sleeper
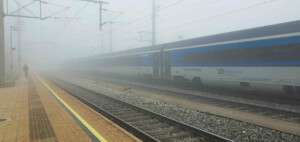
[194,139]
[112,108]
[176,136]
[105,104]
[120,111]
[140,123]
[128,114]
[132,114]
[125,116]
[115,106]
[163,131]
[148,121]
[155,126]
[138,118]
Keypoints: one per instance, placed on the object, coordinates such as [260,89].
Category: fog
[49,42]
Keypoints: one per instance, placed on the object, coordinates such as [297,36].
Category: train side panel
[252,78]
[269,64]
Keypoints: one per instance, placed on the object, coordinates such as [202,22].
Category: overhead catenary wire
[24,8]
[70,5]
[222,14]
[187,9]
[214,1]
[150,14]
[74,16]
[133,21]
[57,5]
[166,7]
[144,16]
[140,18]
[181,25]
[122,12]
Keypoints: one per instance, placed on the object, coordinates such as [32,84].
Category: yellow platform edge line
[87,125]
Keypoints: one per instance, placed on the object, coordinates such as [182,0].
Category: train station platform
[37,110]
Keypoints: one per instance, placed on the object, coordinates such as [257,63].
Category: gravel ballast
[229,128]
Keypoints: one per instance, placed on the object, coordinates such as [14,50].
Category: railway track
[145,124]
[269,108]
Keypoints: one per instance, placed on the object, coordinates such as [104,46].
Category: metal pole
[100,20]
[102,43]
[19,45]
[2,48]
[111,36]
[40,9]
[19,42]
[6,6]
[153,23]
[11,54]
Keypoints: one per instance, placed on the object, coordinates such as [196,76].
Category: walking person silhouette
[25,68]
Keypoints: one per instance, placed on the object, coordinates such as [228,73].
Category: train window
[297,89]
[178,58]
[276,53]
[288,89]
[122,61]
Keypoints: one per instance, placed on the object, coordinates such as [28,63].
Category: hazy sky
[54,39]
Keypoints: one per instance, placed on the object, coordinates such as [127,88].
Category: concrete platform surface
[37,110]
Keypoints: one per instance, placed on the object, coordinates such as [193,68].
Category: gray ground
[229,128]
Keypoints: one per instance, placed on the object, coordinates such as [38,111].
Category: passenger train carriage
[264,58]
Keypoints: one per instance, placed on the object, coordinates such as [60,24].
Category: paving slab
[29,112]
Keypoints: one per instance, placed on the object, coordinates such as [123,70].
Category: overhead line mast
[153,23]
[100,17]
[2,49]
[100,10]
[16,13]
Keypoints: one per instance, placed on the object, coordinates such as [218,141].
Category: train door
[167,64]
[156,64]
[162,64]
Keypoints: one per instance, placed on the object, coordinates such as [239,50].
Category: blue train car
[264,58]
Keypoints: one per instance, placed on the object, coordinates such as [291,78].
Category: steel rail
[134,130]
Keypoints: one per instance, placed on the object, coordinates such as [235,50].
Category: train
[264,58]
